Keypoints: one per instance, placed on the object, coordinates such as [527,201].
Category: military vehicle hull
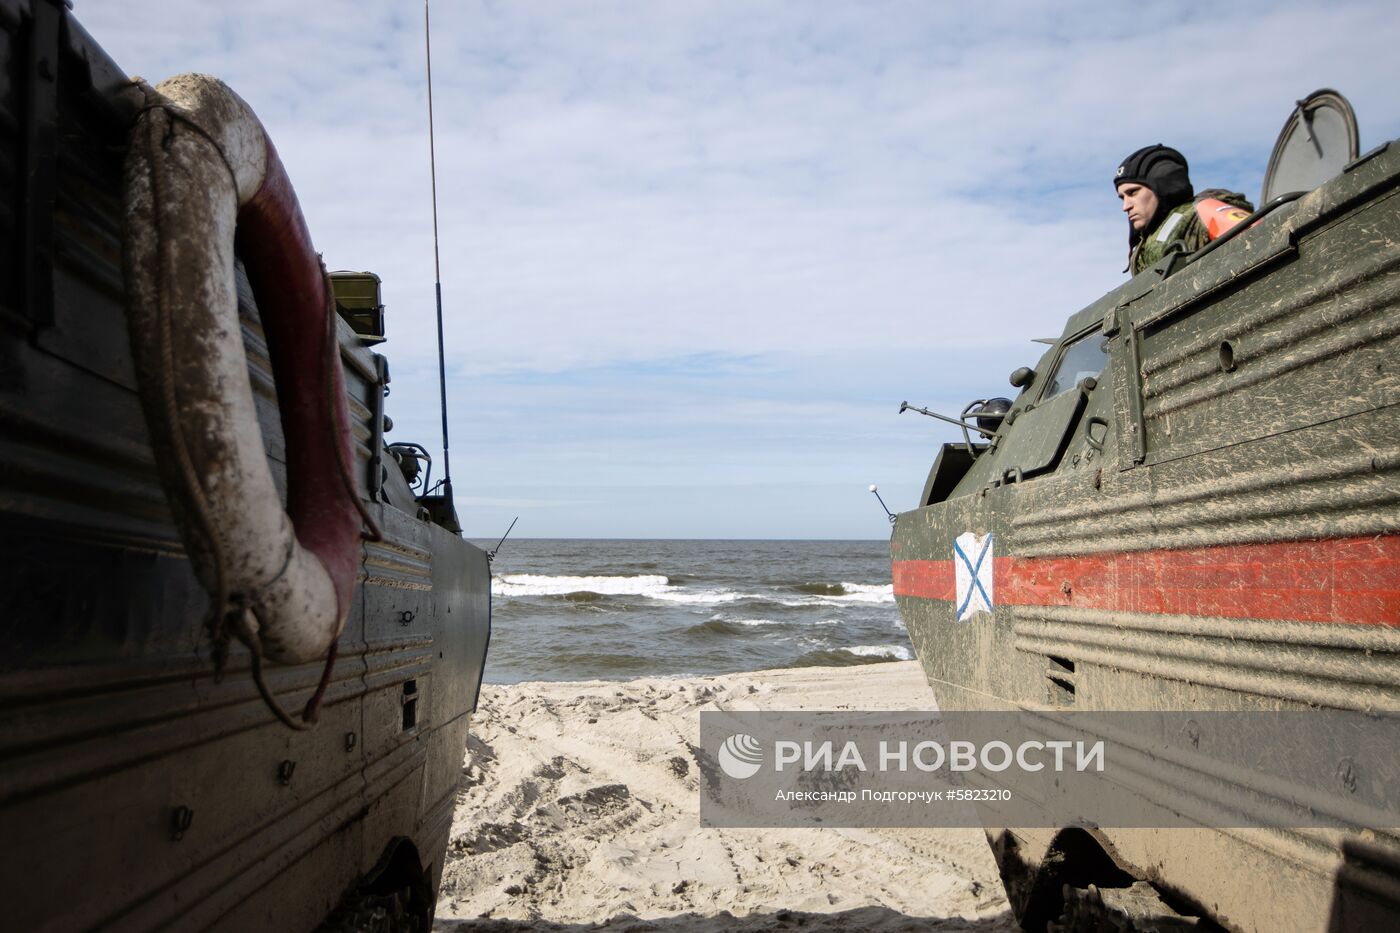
[138,789]
[1193,505]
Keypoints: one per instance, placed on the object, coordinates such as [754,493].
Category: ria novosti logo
[741,756]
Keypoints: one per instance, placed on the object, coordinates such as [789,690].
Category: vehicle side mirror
[1022,377]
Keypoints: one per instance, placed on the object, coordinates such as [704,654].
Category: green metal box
[357,299]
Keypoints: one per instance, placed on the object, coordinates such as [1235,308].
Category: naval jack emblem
[972,570]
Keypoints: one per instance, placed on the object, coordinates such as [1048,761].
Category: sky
[694,254]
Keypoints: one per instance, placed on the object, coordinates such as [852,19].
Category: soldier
[1163,209]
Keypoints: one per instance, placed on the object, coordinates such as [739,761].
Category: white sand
[583,813]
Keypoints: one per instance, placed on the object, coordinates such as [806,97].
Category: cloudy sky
[694,253]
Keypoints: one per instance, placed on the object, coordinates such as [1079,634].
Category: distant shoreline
[492,541]
[855,665]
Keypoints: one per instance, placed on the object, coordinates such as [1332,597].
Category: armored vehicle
[1190,505]
[239,649]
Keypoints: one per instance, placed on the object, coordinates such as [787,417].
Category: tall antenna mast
[437,263]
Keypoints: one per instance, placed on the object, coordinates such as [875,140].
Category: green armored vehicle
[1193,503]
[242,636]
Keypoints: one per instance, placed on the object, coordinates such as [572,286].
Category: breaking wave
[820,589]
[588,589]
[657,586]
[531,584]
[866,593]
[849,657]
[836,594]
[722,625]
[715,627]
[895,652]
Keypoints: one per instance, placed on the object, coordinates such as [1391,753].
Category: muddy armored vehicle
[241,636]
[1193,503]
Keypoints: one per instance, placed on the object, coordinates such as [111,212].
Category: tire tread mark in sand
[490,837]
[705,764]
[733,862]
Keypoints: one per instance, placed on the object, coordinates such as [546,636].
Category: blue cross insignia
[972,569]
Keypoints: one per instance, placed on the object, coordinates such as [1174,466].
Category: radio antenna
[491,554]
[437,263]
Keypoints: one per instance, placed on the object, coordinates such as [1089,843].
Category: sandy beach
[580,811]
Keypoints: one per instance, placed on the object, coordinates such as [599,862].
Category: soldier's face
[1139,203]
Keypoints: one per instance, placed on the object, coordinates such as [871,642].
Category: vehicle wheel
[362,912]
[1134,909]
[396,896]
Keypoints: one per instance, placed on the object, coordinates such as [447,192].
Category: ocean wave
[530,584]
[850,657]
[747,623]
[723,625]
[591,588]
[896,652]
[838,594]
[757,622]
[866,593]
[716,627]
[588,662]
[820,589]
[699,598]
[670,589]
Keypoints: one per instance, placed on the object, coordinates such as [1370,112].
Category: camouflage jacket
[1181,225]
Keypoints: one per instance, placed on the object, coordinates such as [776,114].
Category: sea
[622,609]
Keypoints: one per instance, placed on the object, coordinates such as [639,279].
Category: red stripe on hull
[931,579]
[1355,580]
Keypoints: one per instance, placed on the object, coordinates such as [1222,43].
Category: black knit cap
[1160,168]
[1163,170]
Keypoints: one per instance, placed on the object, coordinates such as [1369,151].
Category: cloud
[722,239]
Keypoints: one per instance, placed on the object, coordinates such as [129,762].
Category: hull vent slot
[1059,681]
